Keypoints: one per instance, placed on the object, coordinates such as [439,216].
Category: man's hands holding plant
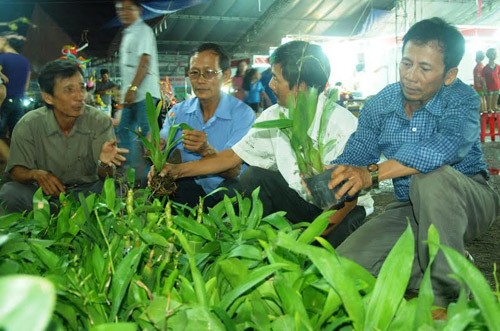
[196,142]
[357,178]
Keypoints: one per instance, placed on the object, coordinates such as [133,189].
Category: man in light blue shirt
[218,121]
[427,126]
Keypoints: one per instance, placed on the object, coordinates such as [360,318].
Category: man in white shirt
[296,66]
[140,74]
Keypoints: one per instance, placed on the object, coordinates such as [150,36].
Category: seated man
[64,146]
[218,120]
[296,66]
[427,126]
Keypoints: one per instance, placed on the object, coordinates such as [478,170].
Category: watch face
[372,167]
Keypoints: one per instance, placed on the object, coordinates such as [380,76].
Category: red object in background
[488,125]
[494,171]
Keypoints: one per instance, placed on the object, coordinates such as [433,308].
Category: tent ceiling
[251,26]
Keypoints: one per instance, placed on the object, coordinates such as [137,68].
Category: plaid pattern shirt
[445,131]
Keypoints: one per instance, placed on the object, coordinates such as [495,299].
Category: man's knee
[252,178]
[441,178]
[16,197]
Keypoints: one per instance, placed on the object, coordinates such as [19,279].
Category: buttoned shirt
[138,40]
[39,143]
[445,131]
[231,121]
[271,149]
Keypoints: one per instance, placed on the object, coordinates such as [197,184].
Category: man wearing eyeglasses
[140,74]
[219,120]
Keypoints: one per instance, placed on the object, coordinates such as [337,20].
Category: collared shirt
[39,143]
[139,39]
[443,132]
[271,149]
[231,121]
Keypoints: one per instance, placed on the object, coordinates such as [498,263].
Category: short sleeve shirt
[231,121]
[39,143]
[271,149]
[139,39]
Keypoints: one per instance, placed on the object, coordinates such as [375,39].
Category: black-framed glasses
[207,74]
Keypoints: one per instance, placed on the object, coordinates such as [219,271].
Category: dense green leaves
[146,266]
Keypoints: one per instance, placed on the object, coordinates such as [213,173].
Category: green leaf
[48,258]
[27,302]
[189,225]
[292,303]
[274,124]
[474,279]
[332,270]
[122,277]
[122,326]
[391,283]
[185,126]
[109,193]
[254,278]
[247,252]
[316,228]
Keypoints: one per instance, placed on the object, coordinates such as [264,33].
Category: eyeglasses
[208,74]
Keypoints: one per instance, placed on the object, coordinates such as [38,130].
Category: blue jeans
[133,117]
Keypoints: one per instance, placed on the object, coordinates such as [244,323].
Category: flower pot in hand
[321,195]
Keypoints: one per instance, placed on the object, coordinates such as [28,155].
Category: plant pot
[322,196]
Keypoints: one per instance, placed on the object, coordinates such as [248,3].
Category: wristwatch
[133,88]
[373,169]
[103,165]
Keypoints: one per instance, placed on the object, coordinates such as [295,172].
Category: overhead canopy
[241,26]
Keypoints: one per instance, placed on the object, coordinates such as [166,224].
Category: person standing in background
[491,76]
[17,69]
[104,88]
[254,90]
[478,80]
[237,80]
[140,74]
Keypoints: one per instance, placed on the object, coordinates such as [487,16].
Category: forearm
[23,175]
[142,70]
[210,165]
[340,214]
[104,170]
[230,173]
[393,169]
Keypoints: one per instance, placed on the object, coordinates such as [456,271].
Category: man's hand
[195,141]
[129,97]
[173,170]
[50,184]
[112,154]
[357,178]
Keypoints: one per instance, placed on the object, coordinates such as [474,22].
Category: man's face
[206,64]
[105,77]
[421,71]
[279,85]
[127,12]
[67,100]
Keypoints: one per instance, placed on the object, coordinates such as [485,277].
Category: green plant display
[130,264]
[296,125]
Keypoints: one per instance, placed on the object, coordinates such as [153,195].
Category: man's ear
[47,98]
[450,76]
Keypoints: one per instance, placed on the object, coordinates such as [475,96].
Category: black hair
[56,69]
[302,62]
[135,2]
[224,62]
[490,52]
[104,71]
[479,56]
[449,39]
[247,79]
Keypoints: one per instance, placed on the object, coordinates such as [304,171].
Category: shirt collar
[133,26]
[52,127]
[433,106]
[223,110]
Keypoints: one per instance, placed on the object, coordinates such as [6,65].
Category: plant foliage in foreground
[133,265]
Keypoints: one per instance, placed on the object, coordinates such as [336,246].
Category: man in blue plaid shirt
[427,127]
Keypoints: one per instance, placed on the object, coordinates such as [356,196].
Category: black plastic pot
[322,196]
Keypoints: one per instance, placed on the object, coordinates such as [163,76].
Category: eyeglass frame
[204,74]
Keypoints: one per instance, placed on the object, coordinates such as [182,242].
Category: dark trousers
[10,113]
[188,192]
[276,195]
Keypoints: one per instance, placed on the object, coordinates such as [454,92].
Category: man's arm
[142,70]
[211,164]
[50,184]
[339,215]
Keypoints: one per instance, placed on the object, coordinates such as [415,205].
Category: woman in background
[254,90]
[237,80]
